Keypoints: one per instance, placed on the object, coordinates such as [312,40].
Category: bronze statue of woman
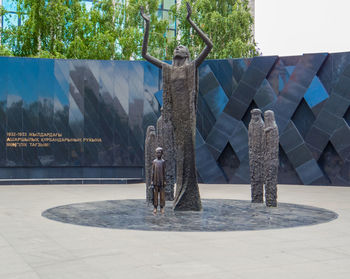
[180,89]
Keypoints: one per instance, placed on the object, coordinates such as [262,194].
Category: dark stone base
[217,215]
[272,203]
[258,200]
[57,181]
[169,196]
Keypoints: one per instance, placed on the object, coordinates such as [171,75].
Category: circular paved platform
[217,215]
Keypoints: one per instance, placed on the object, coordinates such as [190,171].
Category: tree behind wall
[4,51]
[44,31]
[228,24]
[65,29]
[114,30]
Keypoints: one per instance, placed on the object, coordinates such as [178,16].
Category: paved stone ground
[32,246]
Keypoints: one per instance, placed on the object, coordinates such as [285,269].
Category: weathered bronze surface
[256,155]
[165,139]
[158,180]
[150,147]
[180,89]
[271,163]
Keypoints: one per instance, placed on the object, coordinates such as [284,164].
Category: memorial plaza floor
[32,246]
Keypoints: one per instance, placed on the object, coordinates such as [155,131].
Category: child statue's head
[159,152]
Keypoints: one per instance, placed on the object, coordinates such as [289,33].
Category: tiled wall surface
[109,100]
[310,95]
[117,100]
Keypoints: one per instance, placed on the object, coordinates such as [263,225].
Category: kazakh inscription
[40,139]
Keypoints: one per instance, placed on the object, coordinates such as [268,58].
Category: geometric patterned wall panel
[310,95]
[115,101]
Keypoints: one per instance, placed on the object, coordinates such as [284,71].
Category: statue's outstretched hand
[142,12]
[189,10]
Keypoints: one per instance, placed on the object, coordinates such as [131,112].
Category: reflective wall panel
[74,115]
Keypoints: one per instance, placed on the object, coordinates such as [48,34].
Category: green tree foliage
[228,24]
[113,29]
[4,51]
[130,30]
[43,31]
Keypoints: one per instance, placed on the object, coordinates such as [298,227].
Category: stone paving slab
[32,246]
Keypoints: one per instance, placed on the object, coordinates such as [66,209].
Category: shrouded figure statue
[271,158]
[150,146]
[256,155]
[158,180]
[165,139]
[180,84]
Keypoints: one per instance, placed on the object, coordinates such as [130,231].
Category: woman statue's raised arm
[145,55]
[209,44]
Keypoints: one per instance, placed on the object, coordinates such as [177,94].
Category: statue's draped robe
[165,139]
[150,149]
[180,86]
[256,159]
[271,145]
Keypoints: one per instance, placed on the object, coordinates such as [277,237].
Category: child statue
[158,181]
